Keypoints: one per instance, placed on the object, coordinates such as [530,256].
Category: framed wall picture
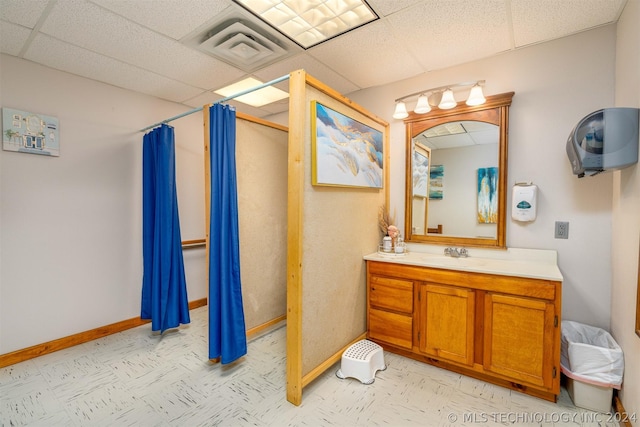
[30,133]
[420,171]
[345,152]
[487,195]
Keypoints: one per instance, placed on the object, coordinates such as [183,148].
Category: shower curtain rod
[235,95]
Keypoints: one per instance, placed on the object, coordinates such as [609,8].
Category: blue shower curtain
[164,289]
[227,334]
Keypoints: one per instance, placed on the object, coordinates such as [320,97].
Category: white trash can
[593,363]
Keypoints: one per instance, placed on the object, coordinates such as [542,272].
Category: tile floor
[134,378]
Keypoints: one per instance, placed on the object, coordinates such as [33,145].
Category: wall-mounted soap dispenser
[524,201]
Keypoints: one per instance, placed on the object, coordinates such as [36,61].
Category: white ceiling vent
[241,40]
[241,46]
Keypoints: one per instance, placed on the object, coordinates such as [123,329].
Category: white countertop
[530,263]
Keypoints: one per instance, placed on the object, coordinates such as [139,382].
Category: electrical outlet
[562,230]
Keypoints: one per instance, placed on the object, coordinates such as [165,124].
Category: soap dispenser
[525,201]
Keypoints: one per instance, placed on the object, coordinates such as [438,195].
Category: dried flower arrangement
[385,222]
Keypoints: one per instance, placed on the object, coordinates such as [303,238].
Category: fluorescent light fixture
[257,98]
[309,22]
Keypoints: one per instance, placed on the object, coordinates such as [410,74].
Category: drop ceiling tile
[542,20]
[312,66]
[91,27]
[173,18]
[369,55]
[12,38]
[248,109]
[481,29]
[25,13]
[387,7]
[65,57]
[486,137]
[201,99]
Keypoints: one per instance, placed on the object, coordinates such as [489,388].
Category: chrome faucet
[452,252]
[456,253]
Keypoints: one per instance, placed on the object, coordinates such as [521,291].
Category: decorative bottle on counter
[386,244]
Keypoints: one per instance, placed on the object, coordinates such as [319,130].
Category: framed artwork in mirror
[487,195]
[436,182]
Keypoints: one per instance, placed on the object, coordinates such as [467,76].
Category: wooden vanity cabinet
[500,329]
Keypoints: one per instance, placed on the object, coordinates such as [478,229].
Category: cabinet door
[447,322]
[519,339]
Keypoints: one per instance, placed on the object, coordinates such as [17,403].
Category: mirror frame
[495,110]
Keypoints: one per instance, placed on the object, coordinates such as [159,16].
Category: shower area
[299,245]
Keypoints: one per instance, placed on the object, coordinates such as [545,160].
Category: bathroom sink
[447,261]
[531,263]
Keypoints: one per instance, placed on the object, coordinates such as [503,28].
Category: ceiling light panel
[309,22]
[256,98]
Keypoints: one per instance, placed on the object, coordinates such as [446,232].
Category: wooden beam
[296,155]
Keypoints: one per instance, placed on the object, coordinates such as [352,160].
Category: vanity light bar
[441,96]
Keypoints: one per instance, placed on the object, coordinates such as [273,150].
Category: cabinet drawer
[396,329]
[391,294]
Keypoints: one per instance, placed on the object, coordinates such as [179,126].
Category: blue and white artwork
[436,182]
[420,174]
[30,133]
[487,195]
[345,151]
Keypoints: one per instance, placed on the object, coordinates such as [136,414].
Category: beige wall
[626,218]
[555,84]
[72,225]
[261,159]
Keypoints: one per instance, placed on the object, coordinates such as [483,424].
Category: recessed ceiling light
[309,22]
[257,98]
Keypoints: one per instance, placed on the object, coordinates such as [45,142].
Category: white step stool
[361,361]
